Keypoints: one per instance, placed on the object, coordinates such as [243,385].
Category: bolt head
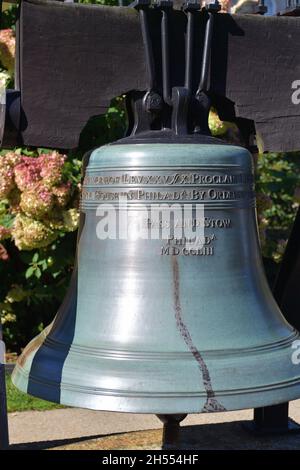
[153,102]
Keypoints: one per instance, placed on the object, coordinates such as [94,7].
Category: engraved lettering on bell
[194,246]
[179,223]
[178,178]
[175,251]
[186,195]
[154,222]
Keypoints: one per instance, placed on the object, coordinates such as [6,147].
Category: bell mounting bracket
[163,107]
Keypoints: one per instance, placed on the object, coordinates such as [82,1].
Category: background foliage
[34,277]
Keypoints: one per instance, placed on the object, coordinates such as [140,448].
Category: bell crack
[212,404]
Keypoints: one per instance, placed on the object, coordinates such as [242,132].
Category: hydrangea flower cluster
[29,233]
[217,126]
[4,233]
[7,181]
[4,80]
[7,49]
[225,6]
[223,129]
[38,199]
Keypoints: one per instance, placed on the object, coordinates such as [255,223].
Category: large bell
[157,325]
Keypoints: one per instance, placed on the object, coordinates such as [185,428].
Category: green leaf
[6,220]
[43,264]
[56,274]
[29,272]
[35,258]
[41,150]
[28,152]
[37,273]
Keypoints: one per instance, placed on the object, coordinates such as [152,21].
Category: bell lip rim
[27,374]
[220,396]
[124,393]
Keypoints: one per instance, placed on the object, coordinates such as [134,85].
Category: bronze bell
[169,310]
[155,324]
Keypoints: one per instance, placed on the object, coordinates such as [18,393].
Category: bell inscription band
[161,322]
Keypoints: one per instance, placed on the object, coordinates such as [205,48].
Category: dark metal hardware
[171,430]
[270,420]
[161,101]
[142,6]
[203,84]
[165,6]
[189,7]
